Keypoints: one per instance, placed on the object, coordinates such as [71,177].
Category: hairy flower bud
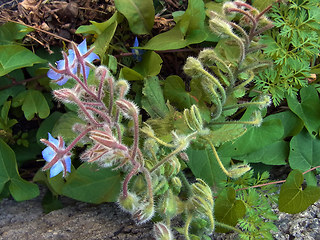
[237,171]
[64,95]
[122,87]
[102,72]
[176,185]
[144,213]
[219,26]
[162,231]
[128,109]
[192,67]
[168,205]
[129,203]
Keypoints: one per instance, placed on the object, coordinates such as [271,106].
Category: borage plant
[154,184]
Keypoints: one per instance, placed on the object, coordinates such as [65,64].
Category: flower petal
[48,154]
[82,47]
[91,57]
[56,169]
[68,163]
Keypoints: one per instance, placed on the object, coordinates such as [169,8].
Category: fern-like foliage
[293,44]
[258,221]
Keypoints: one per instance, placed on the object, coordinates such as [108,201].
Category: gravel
[83,221]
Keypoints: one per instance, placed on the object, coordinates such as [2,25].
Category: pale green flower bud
[129,203]
[238,170]
[162,231]
[122,87]
[175,184]
[192,67]
[168,205]
[219,26]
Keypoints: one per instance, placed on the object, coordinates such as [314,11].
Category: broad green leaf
[130,74]
[13,57]
[10,32]
[102,42]
[188,30]
[274,154]
[50,202]
[47,126]
[63,126]
[308,109]
[304,151]
[20,189]
[150,65]
[174,91]
[227,209]
[92,184]
[293,198]
[254,139]
[112,63]
[204,165]
[153,101]
[140,14]
[292,124]
[98,28]
[33,102]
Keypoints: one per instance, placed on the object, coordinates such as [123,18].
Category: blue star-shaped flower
[49,154]
[78,56]
[137,53]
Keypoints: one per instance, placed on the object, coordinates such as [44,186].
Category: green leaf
[189,30]
[47,126]
[153,101]
[20,189]
[293,198]
[93,185]
[33,102]
[254,139]
[226,133]
[174,91]
[63,126]
[204,165]
[98,28]
[140,14]
[291,123]
[227,209]
[13,57]
[50,202]
[130,74]
[304,151]
[102,42]
[150,65]
[308,109]
[10,32]
[274,154]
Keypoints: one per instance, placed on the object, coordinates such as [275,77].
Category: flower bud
[144,213]
[175,184]
[150,146]
[102,72]
[129,203]
[201,205]
[265,101]
[201,189]
[127,108]
[172,167]
[162,232]
[168,205]
[237,171]
[139,185]
[256,119]
[184,156]
[64,95]
[225,9]
[192,67]
[122,87]
[219,26]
